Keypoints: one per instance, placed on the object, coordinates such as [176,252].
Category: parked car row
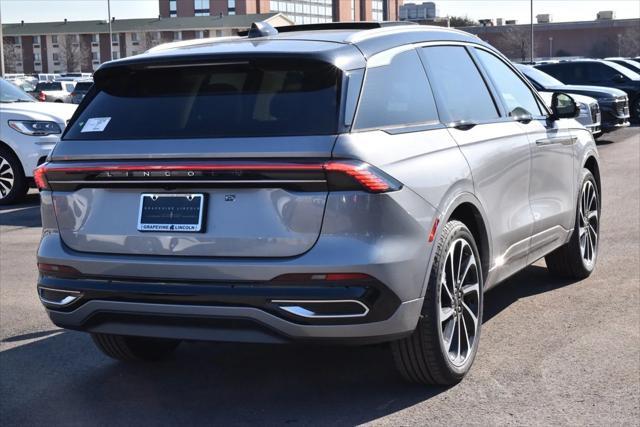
[28,132]
[599,78]
[54,87]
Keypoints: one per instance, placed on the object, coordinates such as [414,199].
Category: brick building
[301,11]
[600,38]
[67,46]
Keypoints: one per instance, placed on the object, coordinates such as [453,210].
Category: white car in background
[28,132]
[590,115]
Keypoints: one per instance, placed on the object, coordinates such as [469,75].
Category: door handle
[564,140]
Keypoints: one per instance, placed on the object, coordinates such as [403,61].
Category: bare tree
[11,57]
[513,42]
[630,42]
[71,55]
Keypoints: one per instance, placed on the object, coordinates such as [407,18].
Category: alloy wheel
[459,302]
[7,177]
[588,223]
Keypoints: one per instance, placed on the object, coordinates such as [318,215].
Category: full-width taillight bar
[341,174]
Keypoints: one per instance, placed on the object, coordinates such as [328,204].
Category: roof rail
[362,25]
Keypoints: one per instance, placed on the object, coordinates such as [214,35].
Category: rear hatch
[218,159]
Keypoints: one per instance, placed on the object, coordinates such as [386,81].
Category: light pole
[619,44]
[1,48]
[110,32]
[550,47]
[531,2]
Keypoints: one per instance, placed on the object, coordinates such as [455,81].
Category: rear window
[256,98]
[49,86]
[83,86]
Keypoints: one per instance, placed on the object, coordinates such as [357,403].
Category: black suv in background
[601,73]
[614,103]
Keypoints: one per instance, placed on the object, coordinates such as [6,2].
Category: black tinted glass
[84,86]
[516,95]
[462,93]
[49,86]
[396,94]
[256,98]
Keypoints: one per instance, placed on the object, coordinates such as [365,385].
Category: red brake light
[342,175]
[40,178]
[370,178]
[42,97]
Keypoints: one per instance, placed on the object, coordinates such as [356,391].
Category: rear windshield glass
[83,86]
[254,98]
[49,86]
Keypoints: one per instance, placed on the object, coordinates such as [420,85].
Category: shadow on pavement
[531,281]
[25,214]
[62,378]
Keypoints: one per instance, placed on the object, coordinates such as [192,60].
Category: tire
[636,110]
[570,260]
[425,356]
[13,184]
[130,349]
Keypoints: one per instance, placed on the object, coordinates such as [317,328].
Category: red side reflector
[40,178]
[58,270]
[434,229]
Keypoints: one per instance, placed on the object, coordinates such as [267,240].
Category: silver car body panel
[521,177]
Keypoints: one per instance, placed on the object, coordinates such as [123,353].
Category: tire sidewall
[457,232]
[587,176]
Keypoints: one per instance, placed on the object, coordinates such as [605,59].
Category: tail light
[73,94]
[40,178]
[341,175]
[349,175]
[42,97]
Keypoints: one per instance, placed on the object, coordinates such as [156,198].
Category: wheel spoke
[446,313]
[470,263]
[466,333]
[447,334]
[592,215]
[444,286]
[471,314]
[459,339]
[466,290]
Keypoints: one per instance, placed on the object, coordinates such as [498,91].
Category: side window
[517,96]
[577,73]
[396,94]
[554,71]
[462,93]
[600,72]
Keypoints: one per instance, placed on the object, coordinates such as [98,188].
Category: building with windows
[300,11]
[72,46]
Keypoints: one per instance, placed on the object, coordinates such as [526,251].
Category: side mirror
[563,107]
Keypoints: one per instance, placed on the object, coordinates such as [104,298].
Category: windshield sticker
[96,124]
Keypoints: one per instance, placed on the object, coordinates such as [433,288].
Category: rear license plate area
[181,213]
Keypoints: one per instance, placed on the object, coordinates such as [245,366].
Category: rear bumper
[237,299]
[225,312]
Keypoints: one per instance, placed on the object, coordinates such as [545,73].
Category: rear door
[552,161]
[238,145]
[496,148]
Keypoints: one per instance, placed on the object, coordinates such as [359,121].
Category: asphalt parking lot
[552,351]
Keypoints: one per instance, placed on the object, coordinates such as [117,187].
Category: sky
[561,10]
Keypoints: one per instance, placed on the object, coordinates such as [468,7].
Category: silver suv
[347,183]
